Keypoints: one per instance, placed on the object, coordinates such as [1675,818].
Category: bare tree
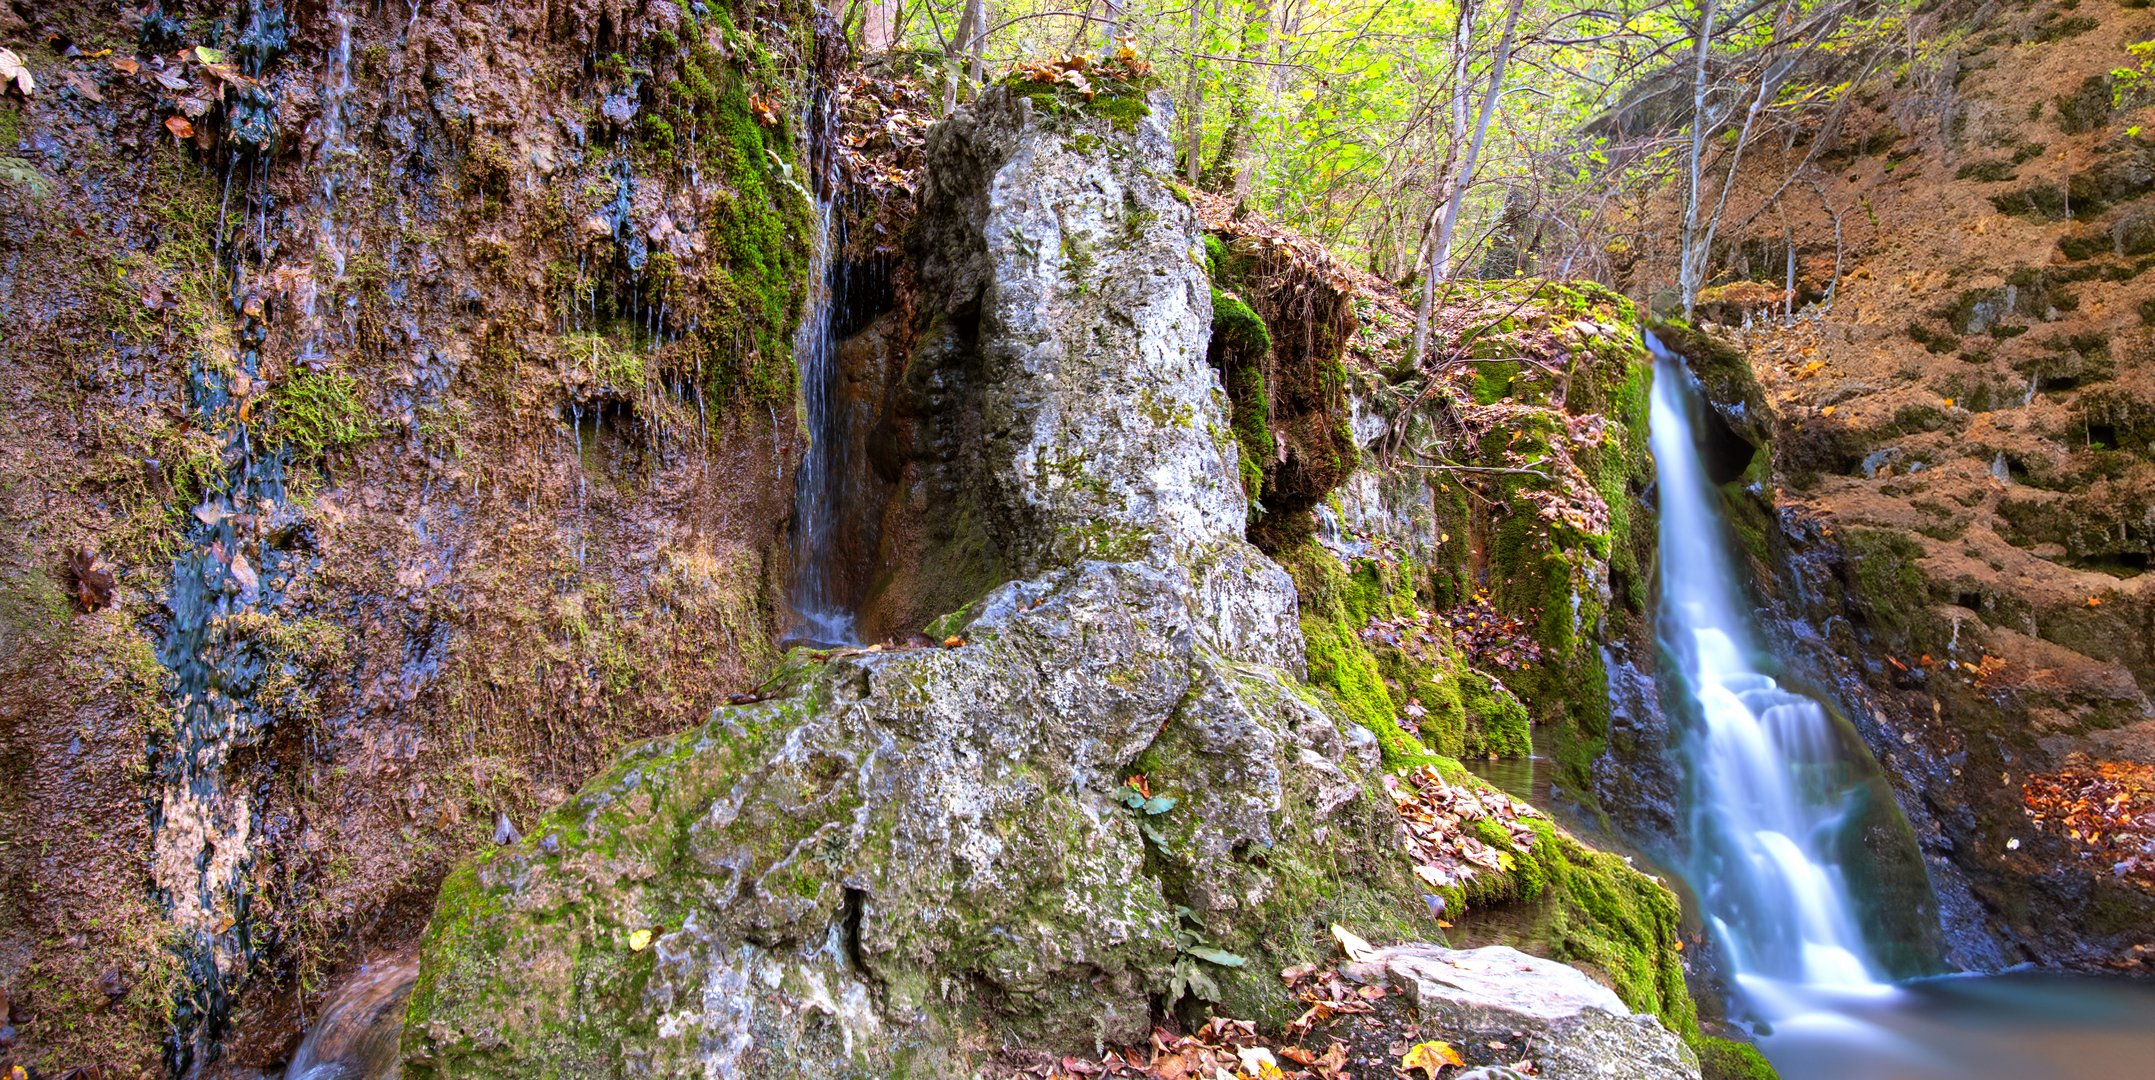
[1462,177]
[1691,260]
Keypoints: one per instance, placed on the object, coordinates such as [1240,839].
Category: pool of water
[2034,1026]
[1527,778]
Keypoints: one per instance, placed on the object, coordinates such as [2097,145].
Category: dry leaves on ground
[1439,816]
[2106,809]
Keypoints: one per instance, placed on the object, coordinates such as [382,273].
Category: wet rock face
[923,851]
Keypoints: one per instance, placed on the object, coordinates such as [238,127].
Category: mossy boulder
[1038,836]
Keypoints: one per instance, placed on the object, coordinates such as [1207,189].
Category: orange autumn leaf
[179,127]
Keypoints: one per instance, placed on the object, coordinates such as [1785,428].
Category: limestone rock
[920,855]
[1576,1027]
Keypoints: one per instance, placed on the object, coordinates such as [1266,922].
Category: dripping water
[823,615]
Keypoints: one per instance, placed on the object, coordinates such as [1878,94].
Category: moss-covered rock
[923,852]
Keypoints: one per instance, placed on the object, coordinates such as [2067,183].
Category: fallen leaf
[84,86]
[639,941]
[249,582]
[179,127]
[208,55]
[1827,411]
[1430,1057]
[93,583]
[1352,944]
[953,641]
[12,70]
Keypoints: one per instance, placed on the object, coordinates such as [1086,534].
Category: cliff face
[1951,521]
[420,378]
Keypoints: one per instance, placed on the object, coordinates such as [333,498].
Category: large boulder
[1570,1026]
[918,856]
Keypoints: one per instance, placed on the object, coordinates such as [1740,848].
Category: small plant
[1191,976]
[2134,85]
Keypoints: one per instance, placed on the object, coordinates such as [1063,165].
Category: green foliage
[2134,85]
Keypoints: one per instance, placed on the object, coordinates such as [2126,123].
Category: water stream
[823,614]
[1773,793]
[1768,794]
[355,1037]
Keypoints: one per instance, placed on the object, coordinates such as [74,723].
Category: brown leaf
[179,127]
[82,85]
[93,583]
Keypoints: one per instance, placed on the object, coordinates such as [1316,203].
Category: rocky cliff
[406,424]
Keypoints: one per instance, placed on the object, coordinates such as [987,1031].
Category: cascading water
[1772,792]
[355,1037]
[1767,785]
[822,614]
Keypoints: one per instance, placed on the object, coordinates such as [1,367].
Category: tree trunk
[1193,100]
[953,58]
[1689,266]
[976,48]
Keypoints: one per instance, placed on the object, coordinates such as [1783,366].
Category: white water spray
[1768,801]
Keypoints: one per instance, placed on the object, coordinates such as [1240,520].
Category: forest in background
[1555,123]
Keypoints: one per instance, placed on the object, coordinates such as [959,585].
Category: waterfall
[1767,792]
[822,612]
[355,1037]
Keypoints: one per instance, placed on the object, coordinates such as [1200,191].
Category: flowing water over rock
[356,1036]
[1773,792]
[823,616]
[1768,789]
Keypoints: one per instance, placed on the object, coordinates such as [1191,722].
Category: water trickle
[822,614]
[334,150]
[355,1037]
[1768,785]
[203,819]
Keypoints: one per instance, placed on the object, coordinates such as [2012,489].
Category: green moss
[315,413]
[1236,325]
[742,305]
[1493,381]
[1559,898]
[1889,588]
[1727,1059]
[1121,103]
